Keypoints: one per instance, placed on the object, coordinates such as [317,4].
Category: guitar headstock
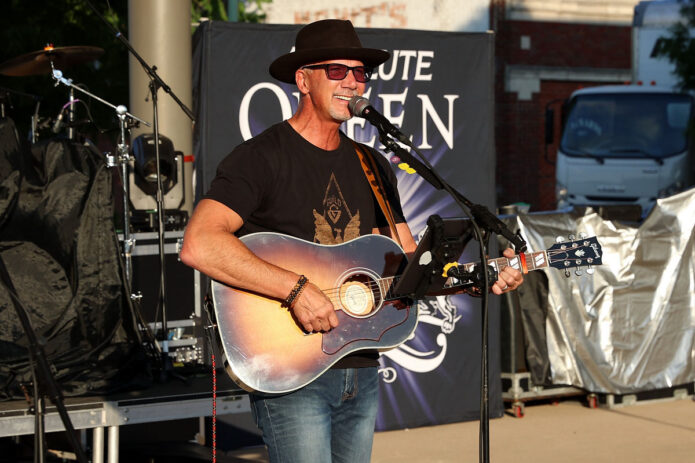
[584,252]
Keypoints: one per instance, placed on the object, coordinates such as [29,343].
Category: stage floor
[173,399]
[565,431]
[569,432]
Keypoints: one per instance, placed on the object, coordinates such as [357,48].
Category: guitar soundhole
[360,295]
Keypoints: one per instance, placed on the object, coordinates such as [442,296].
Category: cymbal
[39,62]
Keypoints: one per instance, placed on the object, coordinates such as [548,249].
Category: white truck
[629,144]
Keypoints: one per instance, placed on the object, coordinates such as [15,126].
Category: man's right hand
[314,311]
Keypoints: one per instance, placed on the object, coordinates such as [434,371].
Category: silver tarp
[630,326]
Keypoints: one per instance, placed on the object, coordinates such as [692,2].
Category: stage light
[143,152]
[143,181]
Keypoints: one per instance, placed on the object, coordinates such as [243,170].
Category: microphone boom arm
[480,214]
[481,218]
[58,76]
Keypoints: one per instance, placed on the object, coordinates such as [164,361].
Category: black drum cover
[58,242]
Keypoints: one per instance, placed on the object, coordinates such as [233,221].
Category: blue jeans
[329,420]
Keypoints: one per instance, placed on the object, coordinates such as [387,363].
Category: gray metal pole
[160,31]
[113,444]
[98,445]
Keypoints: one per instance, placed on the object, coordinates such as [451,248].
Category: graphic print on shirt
[336,224]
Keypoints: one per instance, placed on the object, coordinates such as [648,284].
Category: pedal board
[185,343]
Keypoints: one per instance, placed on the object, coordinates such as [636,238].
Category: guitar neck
[524,263]
[530,261]
[562,255]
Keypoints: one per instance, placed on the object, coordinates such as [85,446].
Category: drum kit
[51,60]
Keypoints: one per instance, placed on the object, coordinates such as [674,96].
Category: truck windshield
[627,125]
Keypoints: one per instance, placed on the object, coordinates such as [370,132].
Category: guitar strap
[371,170]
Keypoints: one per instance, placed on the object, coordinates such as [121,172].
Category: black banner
[437,87]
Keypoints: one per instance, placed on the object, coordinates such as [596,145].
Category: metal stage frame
[174,399]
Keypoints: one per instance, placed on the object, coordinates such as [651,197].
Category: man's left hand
[509,278]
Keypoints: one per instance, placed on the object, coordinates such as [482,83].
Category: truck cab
[624,144]
[629,144]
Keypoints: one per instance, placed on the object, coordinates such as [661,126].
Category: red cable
[214,411]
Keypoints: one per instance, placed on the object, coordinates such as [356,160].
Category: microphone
[361,107]
[58,124]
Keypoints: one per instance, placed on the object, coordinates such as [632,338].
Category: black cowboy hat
[324,40]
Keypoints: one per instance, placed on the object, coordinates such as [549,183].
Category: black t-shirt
[280,182]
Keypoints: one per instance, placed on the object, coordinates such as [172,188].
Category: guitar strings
[373,285]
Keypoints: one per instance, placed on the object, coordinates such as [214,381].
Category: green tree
[252,11]
[27,26]
[249,11]
[679,46]
[210,9]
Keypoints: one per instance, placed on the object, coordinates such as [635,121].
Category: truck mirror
[549,126]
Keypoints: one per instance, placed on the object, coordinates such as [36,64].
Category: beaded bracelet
[296,298]
[296,291]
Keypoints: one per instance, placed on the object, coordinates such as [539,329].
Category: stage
[174,399]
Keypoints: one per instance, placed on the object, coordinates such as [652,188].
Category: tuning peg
[571,237]
[590,270]
[582,235]
[559,239]
[567,272]
[578,272]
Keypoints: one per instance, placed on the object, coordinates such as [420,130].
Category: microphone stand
[481,217]
[156,83]
[478,212]
[125,119]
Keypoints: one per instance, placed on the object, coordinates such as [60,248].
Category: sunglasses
[335,71]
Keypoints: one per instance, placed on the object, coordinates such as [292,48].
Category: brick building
[544,50]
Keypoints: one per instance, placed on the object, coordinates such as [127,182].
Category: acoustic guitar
[267,351]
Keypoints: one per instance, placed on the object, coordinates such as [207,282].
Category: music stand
[442,243]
